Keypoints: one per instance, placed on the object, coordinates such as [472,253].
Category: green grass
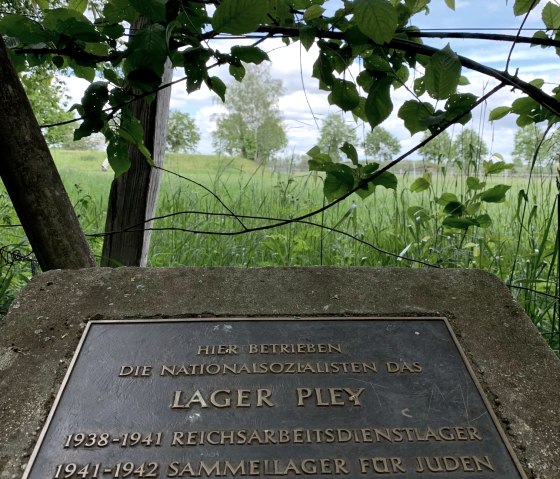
[519,246]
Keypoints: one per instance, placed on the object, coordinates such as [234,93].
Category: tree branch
[81,55]
[484,36]
[549,102]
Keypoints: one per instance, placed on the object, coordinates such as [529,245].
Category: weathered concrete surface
[519,373]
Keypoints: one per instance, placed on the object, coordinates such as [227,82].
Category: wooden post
[133,196]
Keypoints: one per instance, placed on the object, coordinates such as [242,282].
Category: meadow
[224,211]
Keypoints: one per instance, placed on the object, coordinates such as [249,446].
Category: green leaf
[313,12]
[472,208]
[474,183]
[239,16]
[281,13]
[499,112]
[95,97]
[378,105]
[529,111]
[386,179]
[58,61]
[524,106]
[443,73]
[454,208]
[113,31]
[85,129]
[91,109]
[116,11]
[457,104]
[370,168]
[320,163]
[420,184]
[418,213]
[119,96]
[338,184]
[415,115]
[420,86]
[23,28]
[484,221]
[78,5]
[541,35]
[217,86]
[99,49]
[344,94]
[416,6]
[495,168]
[71,23]
[125,134]
[87,73]
[323,69]
[377,63]
[133,128]
[195,60]
[307,36]
[459,223]
[249,54]
[359,113]
[520,7]
[364,191]
[237,71]
[497,194]
[350,151]
[112,76]
[117,154]
[377,19]
[450,4]
[446,198]
[148,51]
[153,9]
[538,82]
[314,151]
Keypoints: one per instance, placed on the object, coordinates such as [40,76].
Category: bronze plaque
[239,398]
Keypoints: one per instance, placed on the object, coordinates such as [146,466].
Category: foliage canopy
[381,145]
[533,146]
[48,99]
[334,133]
[182,133]
[378,33]
[252,126]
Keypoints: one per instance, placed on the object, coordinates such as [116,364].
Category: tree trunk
[32,180]
[133,196]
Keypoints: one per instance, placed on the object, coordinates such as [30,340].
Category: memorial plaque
[279,398]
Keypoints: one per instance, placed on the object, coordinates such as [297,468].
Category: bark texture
[133,196]
[32,180]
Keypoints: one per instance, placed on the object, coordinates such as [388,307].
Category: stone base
[518,372]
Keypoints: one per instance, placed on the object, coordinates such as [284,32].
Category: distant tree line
[252,127]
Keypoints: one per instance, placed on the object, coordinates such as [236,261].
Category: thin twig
[205,189]
[517,37]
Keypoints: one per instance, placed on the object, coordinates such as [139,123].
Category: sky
[303,105]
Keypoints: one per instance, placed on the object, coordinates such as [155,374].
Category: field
[224,215]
